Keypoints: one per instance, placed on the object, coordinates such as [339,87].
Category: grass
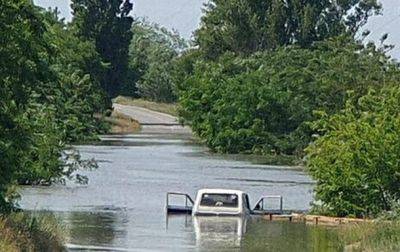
[24,232]
[166,108]
[122,124]
[378,236]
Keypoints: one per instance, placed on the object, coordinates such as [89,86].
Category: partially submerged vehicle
[223,202]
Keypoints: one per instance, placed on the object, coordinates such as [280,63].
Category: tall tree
[22,67]
[152,54]
[246,26]
[108,25]
[47,97]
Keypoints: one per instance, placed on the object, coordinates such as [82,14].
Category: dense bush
[21,70]
[356,162]
[263,103]
[74,94]
[47,96]
[24,232]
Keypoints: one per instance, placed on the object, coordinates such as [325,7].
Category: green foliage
[248,26]
[261,71]
[61,110]
[263,103]
[153,50]
[108,25]
[45,146]
[74,94]
[356,161]
[378,236]
[184,66]
[26,232]
[47,97]
[20,70]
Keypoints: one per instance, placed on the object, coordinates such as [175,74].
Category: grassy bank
[379,236]
[285,236]
[166,108]
[121,124]
[23,232]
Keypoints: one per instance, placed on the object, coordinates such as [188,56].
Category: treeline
[297,78]
[264,103]
[152,62]
[57,81]
[262,67]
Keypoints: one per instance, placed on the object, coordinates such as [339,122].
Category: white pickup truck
[222,202]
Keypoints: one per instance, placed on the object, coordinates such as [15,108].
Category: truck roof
[220,191]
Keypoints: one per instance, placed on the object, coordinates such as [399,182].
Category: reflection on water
[123,206]
[286,236]
[219,232]
[101,229]
[256,234]
[108,231]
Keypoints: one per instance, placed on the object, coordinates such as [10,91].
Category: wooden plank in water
[314,219]
[318,219]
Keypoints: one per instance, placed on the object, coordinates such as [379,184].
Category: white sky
[184,16]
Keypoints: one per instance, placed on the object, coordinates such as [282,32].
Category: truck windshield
[219,200]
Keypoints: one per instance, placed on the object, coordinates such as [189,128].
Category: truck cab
[221,202]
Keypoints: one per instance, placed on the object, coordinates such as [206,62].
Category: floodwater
[123,206]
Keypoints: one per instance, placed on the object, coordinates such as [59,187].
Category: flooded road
[123,206]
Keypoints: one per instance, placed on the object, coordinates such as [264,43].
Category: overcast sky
[184,16]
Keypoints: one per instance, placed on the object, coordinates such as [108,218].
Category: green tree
[356,160]
[264,103]
[247,26]
[21,69]
[74,91]
[108,25]
[61,108]
[47,97]
[153,51]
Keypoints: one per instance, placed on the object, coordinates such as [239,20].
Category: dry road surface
[152,121]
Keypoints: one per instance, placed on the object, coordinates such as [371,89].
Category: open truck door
[183,208]
[269,205]
[266,205]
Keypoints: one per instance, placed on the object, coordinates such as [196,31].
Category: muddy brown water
[123,206]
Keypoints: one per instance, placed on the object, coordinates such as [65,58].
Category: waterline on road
[123,206]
